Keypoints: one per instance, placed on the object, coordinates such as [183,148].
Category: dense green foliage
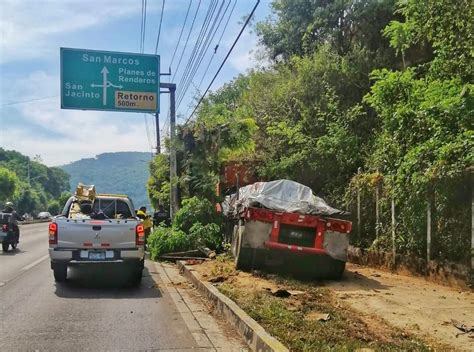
[8,184]
[425,142]
[29,184]
[121,172]
[158,186]
[384,87]
[195,224]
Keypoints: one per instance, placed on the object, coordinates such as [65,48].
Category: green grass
[285,319]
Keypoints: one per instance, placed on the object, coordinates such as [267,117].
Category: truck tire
[5,246]
[243,255]
[60,272]
[333,268]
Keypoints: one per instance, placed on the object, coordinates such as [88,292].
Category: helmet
[9,205]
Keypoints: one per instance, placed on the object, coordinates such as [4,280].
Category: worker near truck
[161,217]
[141,213]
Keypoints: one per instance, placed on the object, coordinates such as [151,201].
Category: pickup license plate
[97,255]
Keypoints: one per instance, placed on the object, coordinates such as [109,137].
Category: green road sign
[113,81]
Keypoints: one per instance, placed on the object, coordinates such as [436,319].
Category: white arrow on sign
[104,85]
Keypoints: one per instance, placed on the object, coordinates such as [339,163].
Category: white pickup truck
[106,231]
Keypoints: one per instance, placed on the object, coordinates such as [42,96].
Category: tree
[28,201]
[54,207]
[447,26]
[425,141]
[301,27]
[63,198]
[8,184]
[158,185]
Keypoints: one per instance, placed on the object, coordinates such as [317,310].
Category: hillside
[121,172]
[31,185]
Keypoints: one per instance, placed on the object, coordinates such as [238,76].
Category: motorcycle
[9,233]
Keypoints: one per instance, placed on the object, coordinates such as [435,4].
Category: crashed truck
[282,223]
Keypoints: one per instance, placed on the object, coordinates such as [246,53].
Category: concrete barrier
[254,335]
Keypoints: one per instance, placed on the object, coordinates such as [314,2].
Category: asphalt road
[93,310]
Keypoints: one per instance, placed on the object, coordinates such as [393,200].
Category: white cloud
[28,27]
[81,133]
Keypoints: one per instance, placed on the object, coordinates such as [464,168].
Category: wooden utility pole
[428,229]
[173,167]
[358,206]
[377,209]
[394,225]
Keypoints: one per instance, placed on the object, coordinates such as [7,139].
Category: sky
[31,34]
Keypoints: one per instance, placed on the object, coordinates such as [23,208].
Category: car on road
[44,215]
[104,230]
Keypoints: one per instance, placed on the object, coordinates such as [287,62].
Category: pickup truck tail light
[53,233]
[140,235]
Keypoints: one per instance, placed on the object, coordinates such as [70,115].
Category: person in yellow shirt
[141,213]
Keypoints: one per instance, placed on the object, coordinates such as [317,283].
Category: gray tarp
[280,195]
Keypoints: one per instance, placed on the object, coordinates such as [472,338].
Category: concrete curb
[254,335]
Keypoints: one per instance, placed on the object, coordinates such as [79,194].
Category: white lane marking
[36,262]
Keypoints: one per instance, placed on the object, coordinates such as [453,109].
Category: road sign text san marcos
[113,81]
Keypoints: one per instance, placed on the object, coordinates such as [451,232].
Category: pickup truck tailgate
[96,233]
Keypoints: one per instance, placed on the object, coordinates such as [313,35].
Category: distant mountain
[121,172]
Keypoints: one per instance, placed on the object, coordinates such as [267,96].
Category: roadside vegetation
[195,224]
[312,319]
[30,185]
[381,86]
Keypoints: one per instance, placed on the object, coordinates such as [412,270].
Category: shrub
[208,235]
[193,211]
[195,224]
[165,240]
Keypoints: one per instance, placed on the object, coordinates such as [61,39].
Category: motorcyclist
[10,209]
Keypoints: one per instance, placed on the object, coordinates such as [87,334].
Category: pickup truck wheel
[60,272]
[5,246]
[137,273]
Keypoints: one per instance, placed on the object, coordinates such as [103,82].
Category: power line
[142,49]
[225,59]
[200,46]
[217,46]
[144,29]
[29,100]
[159,28]
[180,34]
[187,39]
[141,27]
[210,36]
[209,14]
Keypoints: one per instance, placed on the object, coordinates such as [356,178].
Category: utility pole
[157,123]
[157,117]
[173,167]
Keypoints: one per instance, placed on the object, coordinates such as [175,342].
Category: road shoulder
[410,303]
[209,332]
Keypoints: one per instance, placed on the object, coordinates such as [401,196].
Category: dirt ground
[410,303]
[382,309]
